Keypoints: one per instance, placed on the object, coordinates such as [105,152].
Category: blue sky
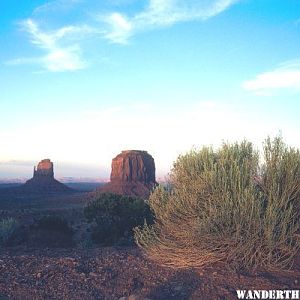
[82,80]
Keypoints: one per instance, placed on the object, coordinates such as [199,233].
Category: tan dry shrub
[225,207]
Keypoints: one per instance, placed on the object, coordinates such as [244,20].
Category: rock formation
[43,180]
[132,174]
[44,168]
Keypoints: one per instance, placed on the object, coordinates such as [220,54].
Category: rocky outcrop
[132,174]
[133,165]
[43,180]
[44,169]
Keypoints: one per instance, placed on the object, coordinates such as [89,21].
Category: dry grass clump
[226,206]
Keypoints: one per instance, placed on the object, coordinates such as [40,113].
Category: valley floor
[112,273]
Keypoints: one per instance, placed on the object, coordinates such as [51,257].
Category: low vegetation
[115,216]
[228,205]
[53,223]
[8,228]
[50,231]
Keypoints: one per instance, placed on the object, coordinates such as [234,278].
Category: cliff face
[132,174]
[44,168]
[43,180]
[133,165]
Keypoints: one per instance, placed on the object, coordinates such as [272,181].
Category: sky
[82,80]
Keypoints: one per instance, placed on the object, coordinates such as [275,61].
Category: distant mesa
[132,174]
[43,179]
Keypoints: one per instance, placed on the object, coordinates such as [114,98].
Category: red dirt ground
[113,273]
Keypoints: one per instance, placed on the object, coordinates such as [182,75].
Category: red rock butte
[43,179]
[44,168]
[132,174]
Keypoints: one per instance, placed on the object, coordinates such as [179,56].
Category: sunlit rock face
[133,165]
[44,168]
[43,180]
[132,174]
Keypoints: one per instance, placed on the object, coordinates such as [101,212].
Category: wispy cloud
[120,28]
[17,162]
[161,13]
[62,53]
[53,6]
[285,76]
[63,47]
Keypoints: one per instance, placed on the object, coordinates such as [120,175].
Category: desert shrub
[50,231]
[226,206]
[8,228]
[53,223]
[115,216]
[85,243]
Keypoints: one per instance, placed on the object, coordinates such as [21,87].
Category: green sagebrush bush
[8,228]
[115,217]
[53,223]
[226,206]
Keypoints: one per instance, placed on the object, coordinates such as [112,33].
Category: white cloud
[168,12]
[161,13]
[67,59]
[286,76]
[54,6]
[121,28]
[62,47]
[62,54]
